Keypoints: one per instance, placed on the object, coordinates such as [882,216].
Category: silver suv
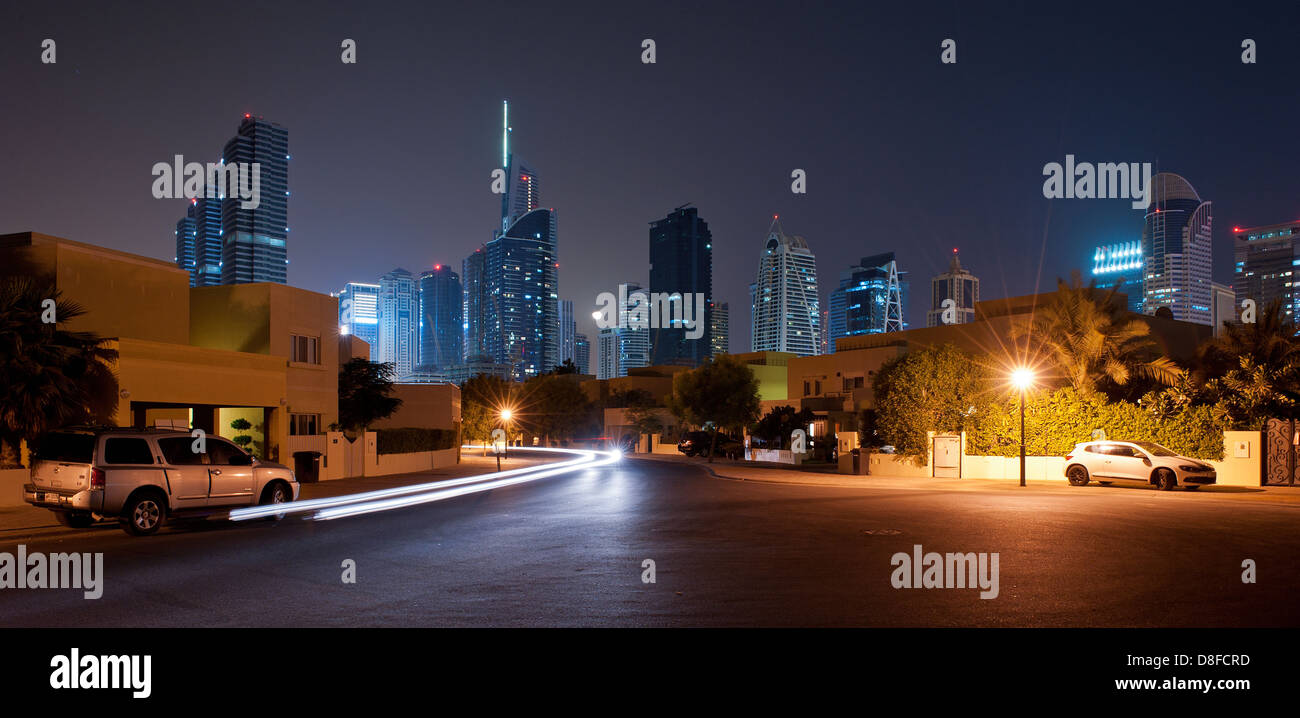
[142,476]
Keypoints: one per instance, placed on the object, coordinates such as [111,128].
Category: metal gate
[1282,452]
[947,456]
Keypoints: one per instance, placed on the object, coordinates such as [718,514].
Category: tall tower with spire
[786,313]
[959,285]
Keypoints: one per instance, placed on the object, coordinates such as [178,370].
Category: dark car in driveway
[697,443]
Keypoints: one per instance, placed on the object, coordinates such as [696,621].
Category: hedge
[1056,421]
[411,440]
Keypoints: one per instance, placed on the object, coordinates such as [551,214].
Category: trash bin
[306,466]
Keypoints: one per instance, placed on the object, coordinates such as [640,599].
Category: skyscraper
[1121,264]
[868,299]
[440,326]
[198,242]
[681,262]
[474,317]
[398,321]
[1176,250]
[523,188]
[254,241]
[785,312]
[522,303]
[720,329]
[957,284]
[582,353]
[1265,261]
[624,346]
[568,332]
[359,314]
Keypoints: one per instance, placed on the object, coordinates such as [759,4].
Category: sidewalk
[18,523]
[766,473]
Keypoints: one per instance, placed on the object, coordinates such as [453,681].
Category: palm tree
[52,377]
[1253,370]
[1093,342]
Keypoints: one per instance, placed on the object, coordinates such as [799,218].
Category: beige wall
[125,295]
[424,406]
[1237,470]
[831,369]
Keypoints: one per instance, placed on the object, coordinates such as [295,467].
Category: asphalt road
[568,550]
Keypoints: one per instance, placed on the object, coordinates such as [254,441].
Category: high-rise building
[624,346]
[1120,265]
[1176,250]
[681,263]
[441,302]
[254,241]
[868,299]
[1264,266]
[582,353]
[399,322]
[185,244]
[474,312]
[720,329]
[523,188]
[568,332]
[1223,306]
[198,241]
[957,284]
[522,303]
[785,308]
[359,314]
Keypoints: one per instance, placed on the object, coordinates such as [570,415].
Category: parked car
[1135,461]
[142,477]
[697,443]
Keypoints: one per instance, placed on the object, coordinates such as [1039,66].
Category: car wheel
[144,514]
[275,492]
[1166,480]
[1077,475]
[74,519]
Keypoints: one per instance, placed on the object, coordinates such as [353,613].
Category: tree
[482,398]
[936,388]
[52,377]
[642,411]
[1092,341]
[242,424]
[554,407]
[365,394]
[722,393]
[568,367]
[1251,372]
[777,425]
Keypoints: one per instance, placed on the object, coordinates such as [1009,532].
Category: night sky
[392,156]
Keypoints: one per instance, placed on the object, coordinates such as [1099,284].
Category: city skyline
[422,184]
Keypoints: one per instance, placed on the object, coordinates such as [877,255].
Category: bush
[411,440]
[1056,421]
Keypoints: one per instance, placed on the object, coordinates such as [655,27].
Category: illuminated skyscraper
[568,333]
[359,314]
[1121,265]
[1176,251]
[441,302]
[868,299]
[786,313]
[720,329]
[254,241]
[957,284]
[522,305]
[582,353]
[1266,262]
[681,263]
[398,322]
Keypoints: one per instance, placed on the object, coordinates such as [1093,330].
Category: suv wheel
[1166,480]
[74,519]
[1076,475]
[275,492]
[144,514]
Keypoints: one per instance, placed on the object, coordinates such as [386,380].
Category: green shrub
[411,440]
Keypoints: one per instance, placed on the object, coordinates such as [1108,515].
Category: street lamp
[1022,379]
[506,415]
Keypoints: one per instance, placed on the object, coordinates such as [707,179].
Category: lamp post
[506,414]
[1022,378]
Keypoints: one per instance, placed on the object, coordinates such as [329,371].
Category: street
[568,550]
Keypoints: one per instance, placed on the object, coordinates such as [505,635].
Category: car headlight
[1189,467]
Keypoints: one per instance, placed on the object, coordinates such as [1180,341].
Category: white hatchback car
[1141,461]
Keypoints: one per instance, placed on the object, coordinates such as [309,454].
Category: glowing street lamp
[506,416]
[1022,379]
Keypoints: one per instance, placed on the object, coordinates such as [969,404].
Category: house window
[304,424]
[305,349]
[807,389]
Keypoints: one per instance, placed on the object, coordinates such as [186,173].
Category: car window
[124,450]
[221,452]
[1155,449]
[1120,450]
[179,451]
[71,448]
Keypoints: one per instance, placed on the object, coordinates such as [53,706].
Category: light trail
[585,458]
[493,482]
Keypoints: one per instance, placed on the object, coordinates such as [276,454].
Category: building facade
[474,317]
[1176,250]
[785,306]
[1120,265]
[198,242]
[568,333]
[720,329]
[522,302]
[359,314]
[255,240]
[681,262]
[622,347]
[1264,266]
[399,316]
[868,300]
[440,329]
[959,285]
[582,353]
